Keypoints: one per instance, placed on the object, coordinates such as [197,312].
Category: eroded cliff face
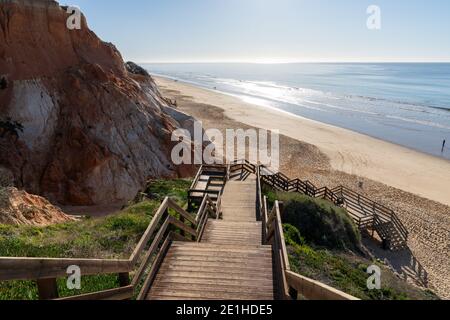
[93,133]
[20,208]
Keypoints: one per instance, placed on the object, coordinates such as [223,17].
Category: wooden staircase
[229,263]
[233,248]
[210,181]
[367,214]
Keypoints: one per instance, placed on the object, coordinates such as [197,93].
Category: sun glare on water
[272,61]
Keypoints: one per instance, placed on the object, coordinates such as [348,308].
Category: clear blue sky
[271,30]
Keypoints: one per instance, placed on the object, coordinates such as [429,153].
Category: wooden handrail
[377,209]
[275,237]
[313,290]
[44,268]
[289,283]
[197,177]
[16,268]
[358,205]
[159,237]
[259,194]
[149,231]
[122,293]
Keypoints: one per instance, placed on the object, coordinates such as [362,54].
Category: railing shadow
[403,262]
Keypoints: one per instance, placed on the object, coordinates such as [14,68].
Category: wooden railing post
[48,289]
[281,207]
[124,279]
[182,220]
[293,293]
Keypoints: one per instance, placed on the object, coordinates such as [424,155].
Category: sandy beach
[415,185]
[348,151]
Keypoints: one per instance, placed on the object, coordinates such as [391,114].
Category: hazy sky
[271,30]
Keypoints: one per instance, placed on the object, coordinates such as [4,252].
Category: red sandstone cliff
[92,132]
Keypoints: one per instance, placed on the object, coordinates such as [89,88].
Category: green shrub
[176,189]
[292,235]
[320,222]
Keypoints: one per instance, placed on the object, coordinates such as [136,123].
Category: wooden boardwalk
[229,262]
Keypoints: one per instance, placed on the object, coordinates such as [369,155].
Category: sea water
[404,103]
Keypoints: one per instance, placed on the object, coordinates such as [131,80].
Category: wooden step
[247,260]
[222,254]
[230,234]
[182,245]
[167,294]
[236,290]
[224,225]
[203,271]
[200,268]
[229,240]
[228,277]
[268,285]
[222,232]
[230,263]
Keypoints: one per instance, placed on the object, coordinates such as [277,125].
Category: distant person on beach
[443,146]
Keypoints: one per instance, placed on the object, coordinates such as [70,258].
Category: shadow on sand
[403,262]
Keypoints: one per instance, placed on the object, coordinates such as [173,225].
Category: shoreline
[348,151]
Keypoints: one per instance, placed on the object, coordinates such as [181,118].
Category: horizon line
[285,62]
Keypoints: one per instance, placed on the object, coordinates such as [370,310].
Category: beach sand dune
[415,185]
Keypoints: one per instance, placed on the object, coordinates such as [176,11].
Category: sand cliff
[93,132]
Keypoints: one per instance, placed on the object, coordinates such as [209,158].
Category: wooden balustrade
[161,231]
[290,284]
[362,209]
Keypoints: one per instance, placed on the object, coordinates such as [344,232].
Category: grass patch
[347,272]
[114,236]
[325,245]
[176,189]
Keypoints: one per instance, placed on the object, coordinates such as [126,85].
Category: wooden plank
[265,285]
[201,295]
[196,177]
[202,226]
[236,265]
[47,288]
[182,226]
[154,269]
[201,211]
[281,237]
[151,251]
[150,231]
[181,211]
[124,279]
[207,293]
[123,293]
[284,289]
[44,268]
[315,290]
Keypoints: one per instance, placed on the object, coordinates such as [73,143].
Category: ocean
[403,103]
